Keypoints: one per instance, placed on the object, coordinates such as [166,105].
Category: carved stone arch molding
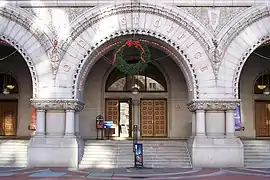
[96,27]
[18,28]
[249,33]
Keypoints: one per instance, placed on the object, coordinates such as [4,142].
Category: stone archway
[178,31]
[20,30]
[245,35]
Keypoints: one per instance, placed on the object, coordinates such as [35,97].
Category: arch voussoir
[247,38]
[17,30]
[94,31]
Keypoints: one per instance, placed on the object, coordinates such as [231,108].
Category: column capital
[213,105]
[136,102]
[57,104]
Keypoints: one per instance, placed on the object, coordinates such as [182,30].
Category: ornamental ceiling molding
[187,22]
[213,105]
[31,24]
[237,25]
[57,104]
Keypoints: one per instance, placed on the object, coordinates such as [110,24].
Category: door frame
[166,115]
[16,121]
[255,120]
[129,100]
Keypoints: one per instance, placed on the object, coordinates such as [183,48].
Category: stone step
[13,153]
[256,153]
[120,154]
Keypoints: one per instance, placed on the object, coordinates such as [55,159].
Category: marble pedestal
[216,152]
[62,151]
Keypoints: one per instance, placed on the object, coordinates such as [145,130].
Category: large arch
[246,33]
[20,30]
[181,33]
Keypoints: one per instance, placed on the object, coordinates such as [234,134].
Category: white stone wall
[17,66]
[251,71]
[179,118]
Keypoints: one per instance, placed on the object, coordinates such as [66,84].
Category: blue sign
[237,119]
[108,124]
[138,155]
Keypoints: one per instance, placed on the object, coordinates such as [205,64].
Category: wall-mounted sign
[237,119]
[108,124]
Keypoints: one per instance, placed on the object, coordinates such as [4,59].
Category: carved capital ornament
[57,104]
[213,105]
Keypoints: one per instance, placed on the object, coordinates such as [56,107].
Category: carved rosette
[57,104]
[213,105]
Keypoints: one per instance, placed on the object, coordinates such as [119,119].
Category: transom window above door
[151,80]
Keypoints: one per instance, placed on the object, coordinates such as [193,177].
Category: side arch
[254,30]
[95,28]
[18,29]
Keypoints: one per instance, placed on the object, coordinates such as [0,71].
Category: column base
[54,152]
[216,152]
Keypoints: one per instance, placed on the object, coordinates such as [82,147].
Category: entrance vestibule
[162,83]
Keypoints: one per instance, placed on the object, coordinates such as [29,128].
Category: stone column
[77,123]
[200,122]
[136,115]
[209,150]
[70,123]
[60,148]
[193,123]
[230,129]
[40,122]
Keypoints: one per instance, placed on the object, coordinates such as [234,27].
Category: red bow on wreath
[130,43]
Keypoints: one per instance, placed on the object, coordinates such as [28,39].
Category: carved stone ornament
[57,104]
[213,105]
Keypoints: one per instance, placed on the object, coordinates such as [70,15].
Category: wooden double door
[262,118]
[8,118]
[153,117]
[120,113]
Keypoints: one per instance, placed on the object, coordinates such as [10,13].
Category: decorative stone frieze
[57,104]
[213,105]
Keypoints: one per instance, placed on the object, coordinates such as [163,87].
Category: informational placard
[237,119]
[138,155]
[100,122]
[108,124]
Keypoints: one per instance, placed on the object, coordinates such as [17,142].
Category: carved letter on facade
[135,20]
[181,36]
[170,29]
[123,21]
[198,55]
[157,23]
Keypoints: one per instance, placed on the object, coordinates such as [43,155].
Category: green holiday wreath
[131,69]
